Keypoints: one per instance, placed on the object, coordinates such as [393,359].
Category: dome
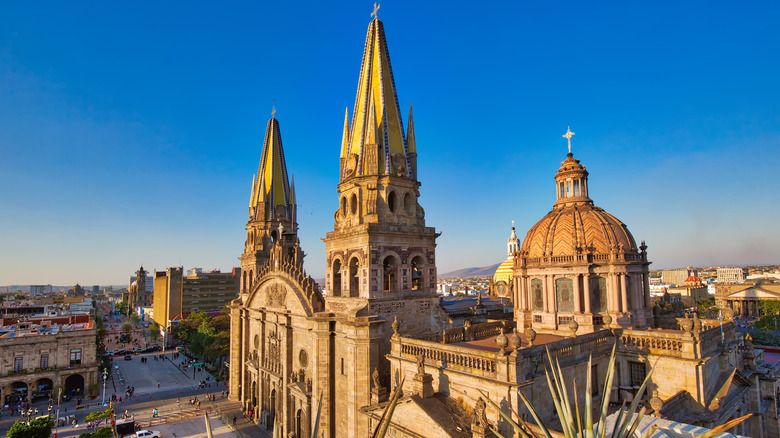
[572,229]
[504,271]
[575,225]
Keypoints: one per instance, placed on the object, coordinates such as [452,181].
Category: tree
[770,307]
[37,428]
[127,328]
[135,318]
[123,307]
[154,331]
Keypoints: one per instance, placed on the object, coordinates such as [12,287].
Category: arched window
[354,277]
[353,204]
[391,201]
[336,274]
[298,422]
[343,205]
[274,235]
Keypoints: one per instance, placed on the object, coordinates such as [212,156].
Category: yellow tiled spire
[376,137]
[271,196]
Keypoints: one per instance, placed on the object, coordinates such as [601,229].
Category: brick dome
[571,229]
[575,225]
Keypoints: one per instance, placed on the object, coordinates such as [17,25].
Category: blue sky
[129,131]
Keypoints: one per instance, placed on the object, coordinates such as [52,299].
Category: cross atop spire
[376,9]
[273,111]
[568,136]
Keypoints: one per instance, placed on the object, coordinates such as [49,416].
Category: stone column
[623,293]
[235,351]
[646,290]
[586,293]
[577,299]
[613,295]
[546,294]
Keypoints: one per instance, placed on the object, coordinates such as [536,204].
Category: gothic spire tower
[272,212]
[380,249]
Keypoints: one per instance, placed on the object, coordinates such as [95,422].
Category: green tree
[122,307]
[103,432]
[154,331]
[770,307]
[135,318]
[37,428]
[127,328]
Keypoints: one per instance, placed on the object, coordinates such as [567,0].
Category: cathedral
[579,284]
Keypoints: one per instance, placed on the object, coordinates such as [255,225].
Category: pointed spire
[254,188]
[345,135]
[410,132]
[377,113]
[271,184]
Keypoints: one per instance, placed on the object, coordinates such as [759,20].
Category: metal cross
[273,111]
[376,8]
[568,136]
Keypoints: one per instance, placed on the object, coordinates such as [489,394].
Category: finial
[273,111]
[513,224]
[568,136]
[376,9]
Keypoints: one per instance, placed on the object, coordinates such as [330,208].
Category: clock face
[303,358]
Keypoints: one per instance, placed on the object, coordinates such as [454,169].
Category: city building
[38,290]
[732,275]
[677,277]
[43,355]
[691,291]
[745,299]
[580,287]
[176,296]
[140,291]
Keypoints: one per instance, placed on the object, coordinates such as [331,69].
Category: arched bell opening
[354,277]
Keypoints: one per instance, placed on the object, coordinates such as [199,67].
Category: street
[171,396]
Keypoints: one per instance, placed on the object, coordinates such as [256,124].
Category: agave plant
[568,409]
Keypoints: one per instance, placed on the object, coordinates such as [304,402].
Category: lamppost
[105,377]
[57,416]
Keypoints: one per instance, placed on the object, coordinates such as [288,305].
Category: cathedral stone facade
[302,356]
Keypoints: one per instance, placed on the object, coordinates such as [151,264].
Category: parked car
[147,434]
[128,357]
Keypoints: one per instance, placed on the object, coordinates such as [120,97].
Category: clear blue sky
[129,131]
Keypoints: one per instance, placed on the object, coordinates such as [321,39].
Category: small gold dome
[504,271]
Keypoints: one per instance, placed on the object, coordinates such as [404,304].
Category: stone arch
[274,235]
[253,397]
[353,204]
[390,265]
[292,293]
[43,387]
[343,203]
[299,423]
[335,275]
[417,267]
[354,276]
[16,392]
[74,385]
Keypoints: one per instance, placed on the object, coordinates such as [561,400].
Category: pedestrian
[234,420]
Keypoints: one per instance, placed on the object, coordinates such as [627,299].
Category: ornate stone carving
[530,334]
[480,414]
[276,296]
[514,340]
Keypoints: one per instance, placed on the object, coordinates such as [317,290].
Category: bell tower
[272,210]
[380,250]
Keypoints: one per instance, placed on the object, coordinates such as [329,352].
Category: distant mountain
[472,272]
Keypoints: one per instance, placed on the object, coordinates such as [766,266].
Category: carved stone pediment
[276,295]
